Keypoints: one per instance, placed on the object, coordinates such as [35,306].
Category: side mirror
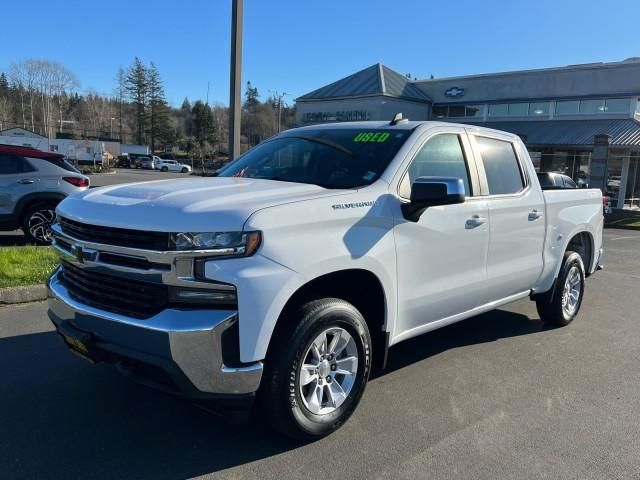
[432,191]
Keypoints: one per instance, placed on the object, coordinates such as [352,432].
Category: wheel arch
[33,198]
[360,287]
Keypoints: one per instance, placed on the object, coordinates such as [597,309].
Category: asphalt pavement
[494,397]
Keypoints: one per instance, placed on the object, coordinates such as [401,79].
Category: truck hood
[189,205]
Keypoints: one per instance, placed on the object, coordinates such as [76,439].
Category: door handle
[475,221]
[534,215]
[26,181]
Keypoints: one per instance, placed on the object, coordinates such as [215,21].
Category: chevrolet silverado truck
[280,284]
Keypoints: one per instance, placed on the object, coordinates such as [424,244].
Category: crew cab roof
[28,152]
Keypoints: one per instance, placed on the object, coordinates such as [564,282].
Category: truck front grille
[132,298]
[115,236]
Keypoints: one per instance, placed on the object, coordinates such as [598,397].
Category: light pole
[235,75]
[279,96]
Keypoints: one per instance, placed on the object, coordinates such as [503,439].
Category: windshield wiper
[328,143]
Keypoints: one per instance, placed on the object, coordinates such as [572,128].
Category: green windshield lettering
[371,137]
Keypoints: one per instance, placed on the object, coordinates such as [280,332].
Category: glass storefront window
[456,110]
[474,110]
[592,106]
[617,105]
[439,111]
[499,110]
[632,194]
[518,109]
[539,108]
[567,107]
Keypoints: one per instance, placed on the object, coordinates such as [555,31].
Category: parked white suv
[289,276]
[172,166]
[32,183]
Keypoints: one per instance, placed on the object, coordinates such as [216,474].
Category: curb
[31,293]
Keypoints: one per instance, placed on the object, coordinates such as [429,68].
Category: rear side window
[569,183]
[13,164]
[501,166]
[441,156]
[62,163]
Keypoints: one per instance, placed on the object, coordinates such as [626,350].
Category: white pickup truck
[287,278]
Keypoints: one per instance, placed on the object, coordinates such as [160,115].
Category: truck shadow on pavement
[63,418]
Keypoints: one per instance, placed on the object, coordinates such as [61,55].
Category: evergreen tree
[4,85]
[185,111]
[203,124]
[137,90]
[158,109]
[251,97]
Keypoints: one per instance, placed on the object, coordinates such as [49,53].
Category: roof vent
[398,120]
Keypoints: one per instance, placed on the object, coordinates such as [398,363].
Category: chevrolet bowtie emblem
[83,254]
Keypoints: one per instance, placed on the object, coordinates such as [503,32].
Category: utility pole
[279,96]
[235,111]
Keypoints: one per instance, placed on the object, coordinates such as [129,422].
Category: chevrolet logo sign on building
[454,92]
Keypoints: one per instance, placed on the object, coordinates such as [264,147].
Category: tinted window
[62,163]
[456,111]
[330,158]
[539,108]
[499,110]
[617,105]
[11,164]
[501,166]
[439,111]
[569,183]
[567,107]
[545,180]
[474,110]
[441,156]
[518,109]
[592,106]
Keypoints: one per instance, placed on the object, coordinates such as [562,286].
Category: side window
[11,164]
[569,183]
[501,166]
[441,156]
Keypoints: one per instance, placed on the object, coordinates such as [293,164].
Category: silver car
[32,183]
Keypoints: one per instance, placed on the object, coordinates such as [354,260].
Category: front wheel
[317,375]
[164,169]
[560,306]
[37,222]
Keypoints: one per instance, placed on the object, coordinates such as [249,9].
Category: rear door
[516,214]
[17,179]
[441,258]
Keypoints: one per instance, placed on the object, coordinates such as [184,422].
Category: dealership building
[580,120]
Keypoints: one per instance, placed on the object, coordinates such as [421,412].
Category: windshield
[339,158]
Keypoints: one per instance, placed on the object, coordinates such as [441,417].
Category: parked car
[172,166]
[124,161]
[287,278]
[551,180]
[147,163]
[32,183]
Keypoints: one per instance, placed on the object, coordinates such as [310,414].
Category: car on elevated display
[280,284]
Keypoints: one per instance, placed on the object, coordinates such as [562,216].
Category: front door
[441,258]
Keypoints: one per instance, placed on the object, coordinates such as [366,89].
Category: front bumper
[179,351]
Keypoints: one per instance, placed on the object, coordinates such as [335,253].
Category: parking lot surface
[496,396]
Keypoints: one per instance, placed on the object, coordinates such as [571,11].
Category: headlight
[235,244]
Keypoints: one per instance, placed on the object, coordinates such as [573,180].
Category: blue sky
[300,45]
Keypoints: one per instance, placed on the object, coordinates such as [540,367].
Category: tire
[36,223]
[184,170]
[316,408]
[164,169]
[559,306]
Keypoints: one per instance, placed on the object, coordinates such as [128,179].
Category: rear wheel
[184,170]
[560,305]
[317,375]
[37,222]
